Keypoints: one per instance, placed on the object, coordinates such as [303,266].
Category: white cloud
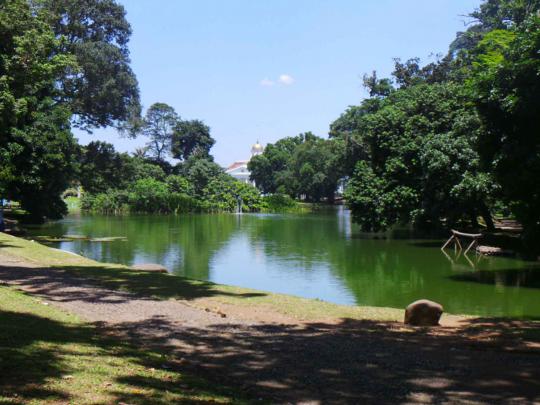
[267,82]
[287,80]
[283,79]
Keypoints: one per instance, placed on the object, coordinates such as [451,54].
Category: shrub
[223,192]
[179,184]
[148,195]
[178,203]
[111,202]
[279,203]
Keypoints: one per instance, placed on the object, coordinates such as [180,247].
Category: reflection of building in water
[239,169]
[344,221]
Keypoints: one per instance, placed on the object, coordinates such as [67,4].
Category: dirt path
[276,358]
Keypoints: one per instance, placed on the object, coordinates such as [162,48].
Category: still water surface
[318,255]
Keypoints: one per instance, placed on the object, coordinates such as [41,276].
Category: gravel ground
[484,361]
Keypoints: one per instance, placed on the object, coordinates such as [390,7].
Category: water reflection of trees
[395,272]
[376,272]
[185,244]
[373,270]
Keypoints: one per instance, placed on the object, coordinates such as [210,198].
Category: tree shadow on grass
[86,283]
[29,356]
[353,361]
[156,285]
[7,245]
[509,334]
[483,360]
[38,356]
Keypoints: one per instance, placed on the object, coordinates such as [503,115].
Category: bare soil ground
[270,356]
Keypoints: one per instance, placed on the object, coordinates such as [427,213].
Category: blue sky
[262,70]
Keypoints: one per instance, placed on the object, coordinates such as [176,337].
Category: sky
[257,70]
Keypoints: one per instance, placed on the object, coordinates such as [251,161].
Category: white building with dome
[239,169]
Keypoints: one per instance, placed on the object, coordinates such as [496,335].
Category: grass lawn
[49,356]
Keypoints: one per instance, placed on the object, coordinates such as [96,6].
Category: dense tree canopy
[418,163]
[191,138]
[101,167]
[158,126]
[199,172]
[493,15]
[506,84]
[36,145]
[121,183]
[60,62]
[314,170]
[445,142]
[268,169]
[102,90]
[303,167]
[224,193]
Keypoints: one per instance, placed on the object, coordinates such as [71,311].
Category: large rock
[423,313]
[152,267]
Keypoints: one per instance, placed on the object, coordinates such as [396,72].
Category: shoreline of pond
[315,256]
[117,276]
[299,308]
[199,327]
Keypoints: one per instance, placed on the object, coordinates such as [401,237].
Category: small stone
[151,267]
[423,313]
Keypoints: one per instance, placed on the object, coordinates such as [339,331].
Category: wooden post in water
[457,243]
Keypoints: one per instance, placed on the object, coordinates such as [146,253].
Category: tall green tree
[418,162]
[158,125]
[191,138]
[102,168]
[62,62]
[304,166]
[493,15]
[199,172]
[267,169]
[314,170]
[103,90]
[37,149]
[225,193]
[506,85]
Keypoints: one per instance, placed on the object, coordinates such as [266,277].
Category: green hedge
[175,194]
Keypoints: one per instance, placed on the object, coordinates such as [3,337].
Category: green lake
[318,255]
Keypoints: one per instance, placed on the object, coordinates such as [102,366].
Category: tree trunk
[2,224]
[474,220]
[484,212]
[331,198]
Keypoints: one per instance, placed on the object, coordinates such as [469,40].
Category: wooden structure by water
[456,238]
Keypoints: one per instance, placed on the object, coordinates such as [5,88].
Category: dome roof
[257,148]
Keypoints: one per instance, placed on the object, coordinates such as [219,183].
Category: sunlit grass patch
[73,203]
[49,356]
